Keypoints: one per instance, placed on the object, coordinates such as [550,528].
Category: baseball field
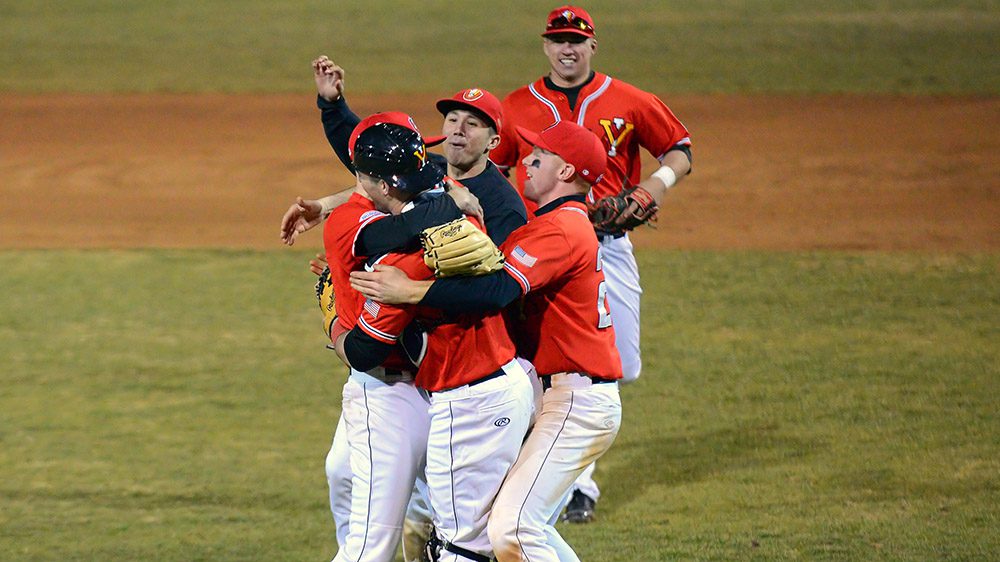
[821,308]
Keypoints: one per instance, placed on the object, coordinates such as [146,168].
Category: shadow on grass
[667,460]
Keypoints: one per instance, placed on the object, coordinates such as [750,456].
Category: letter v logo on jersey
[616,130]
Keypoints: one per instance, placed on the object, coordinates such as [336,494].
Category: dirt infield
[830,172]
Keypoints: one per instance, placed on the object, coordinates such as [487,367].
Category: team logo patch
[501,422]
[372,307]
[615,130]
[524,257]
[472,94]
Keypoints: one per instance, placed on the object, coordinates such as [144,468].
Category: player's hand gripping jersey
[621,115]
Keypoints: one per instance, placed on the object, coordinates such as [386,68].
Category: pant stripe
[541,467]
[451,464]
[371,472]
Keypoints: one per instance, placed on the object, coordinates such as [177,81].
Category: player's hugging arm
[363,352]
[472,294]
[401,233]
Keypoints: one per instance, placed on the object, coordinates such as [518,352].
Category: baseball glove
[459,248]
[632,207]
[327,300]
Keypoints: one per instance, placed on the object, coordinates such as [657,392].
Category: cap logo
[568,15]
[421,154]
[472,94]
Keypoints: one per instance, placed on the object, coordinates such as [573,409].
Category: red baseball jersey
[566,326]
[621,115]
[339,235]
[460,349]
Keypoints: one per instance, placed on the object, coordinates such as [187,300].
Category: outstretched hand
[387,284]
[300,217]
[329,78]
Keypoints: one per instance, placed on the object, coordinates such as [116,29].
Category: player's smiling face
[469,139]
[569,57]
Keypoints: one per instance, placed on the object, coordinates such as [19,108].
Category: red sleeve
[536,254]
[506,153]
[661,130]
[385,322]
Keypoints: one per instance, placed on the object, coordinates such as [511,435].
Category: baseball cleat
[580,508]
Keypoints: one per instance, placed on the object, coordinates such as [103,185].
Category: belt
[496,374]
[547,380]
[390,375]
[605,236]
[464,553]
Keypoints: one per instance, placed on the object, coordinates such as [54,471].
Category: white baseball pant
[387,426]
[622,275]
[476,433]
[338,479]
[578,422]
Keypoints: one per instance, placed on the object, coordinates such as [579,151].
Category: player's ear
[494,141]
[566,172]
[593,46]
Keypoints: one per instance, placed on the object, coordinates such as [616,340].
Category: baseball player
[385,420]
[554,262]
[624,118]
[472,121]
[481,400]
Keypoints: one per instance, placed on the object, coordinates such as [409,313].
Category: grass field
[177,405]
[731,46]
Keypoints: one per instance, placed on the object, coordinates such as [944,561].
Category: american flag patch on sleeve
[372,307]
[524,257]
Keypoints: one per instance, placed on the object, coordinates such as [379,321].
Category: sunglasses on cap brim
[562,22]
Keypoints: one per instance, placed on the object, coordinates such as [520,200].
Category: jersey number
[603,316]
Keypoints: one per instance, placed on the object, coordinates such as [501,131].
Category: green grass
[902,46]
[177,405]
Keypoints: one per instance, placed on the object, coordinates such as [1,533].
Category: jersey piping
[590,98]
[541,98]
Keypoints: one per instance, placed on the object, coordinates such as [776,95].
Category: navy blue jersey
[503,209]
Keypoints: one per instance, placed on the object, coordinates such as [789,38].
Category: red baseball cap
[392,118]
[476,100]
[569,19]
[574,144]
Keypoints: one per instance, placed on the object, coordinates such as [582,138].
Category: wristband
[667,175]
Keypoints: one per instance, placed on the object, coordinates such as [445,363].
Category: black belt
[602,236]
[489,377]
[547,381]
[464,553]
